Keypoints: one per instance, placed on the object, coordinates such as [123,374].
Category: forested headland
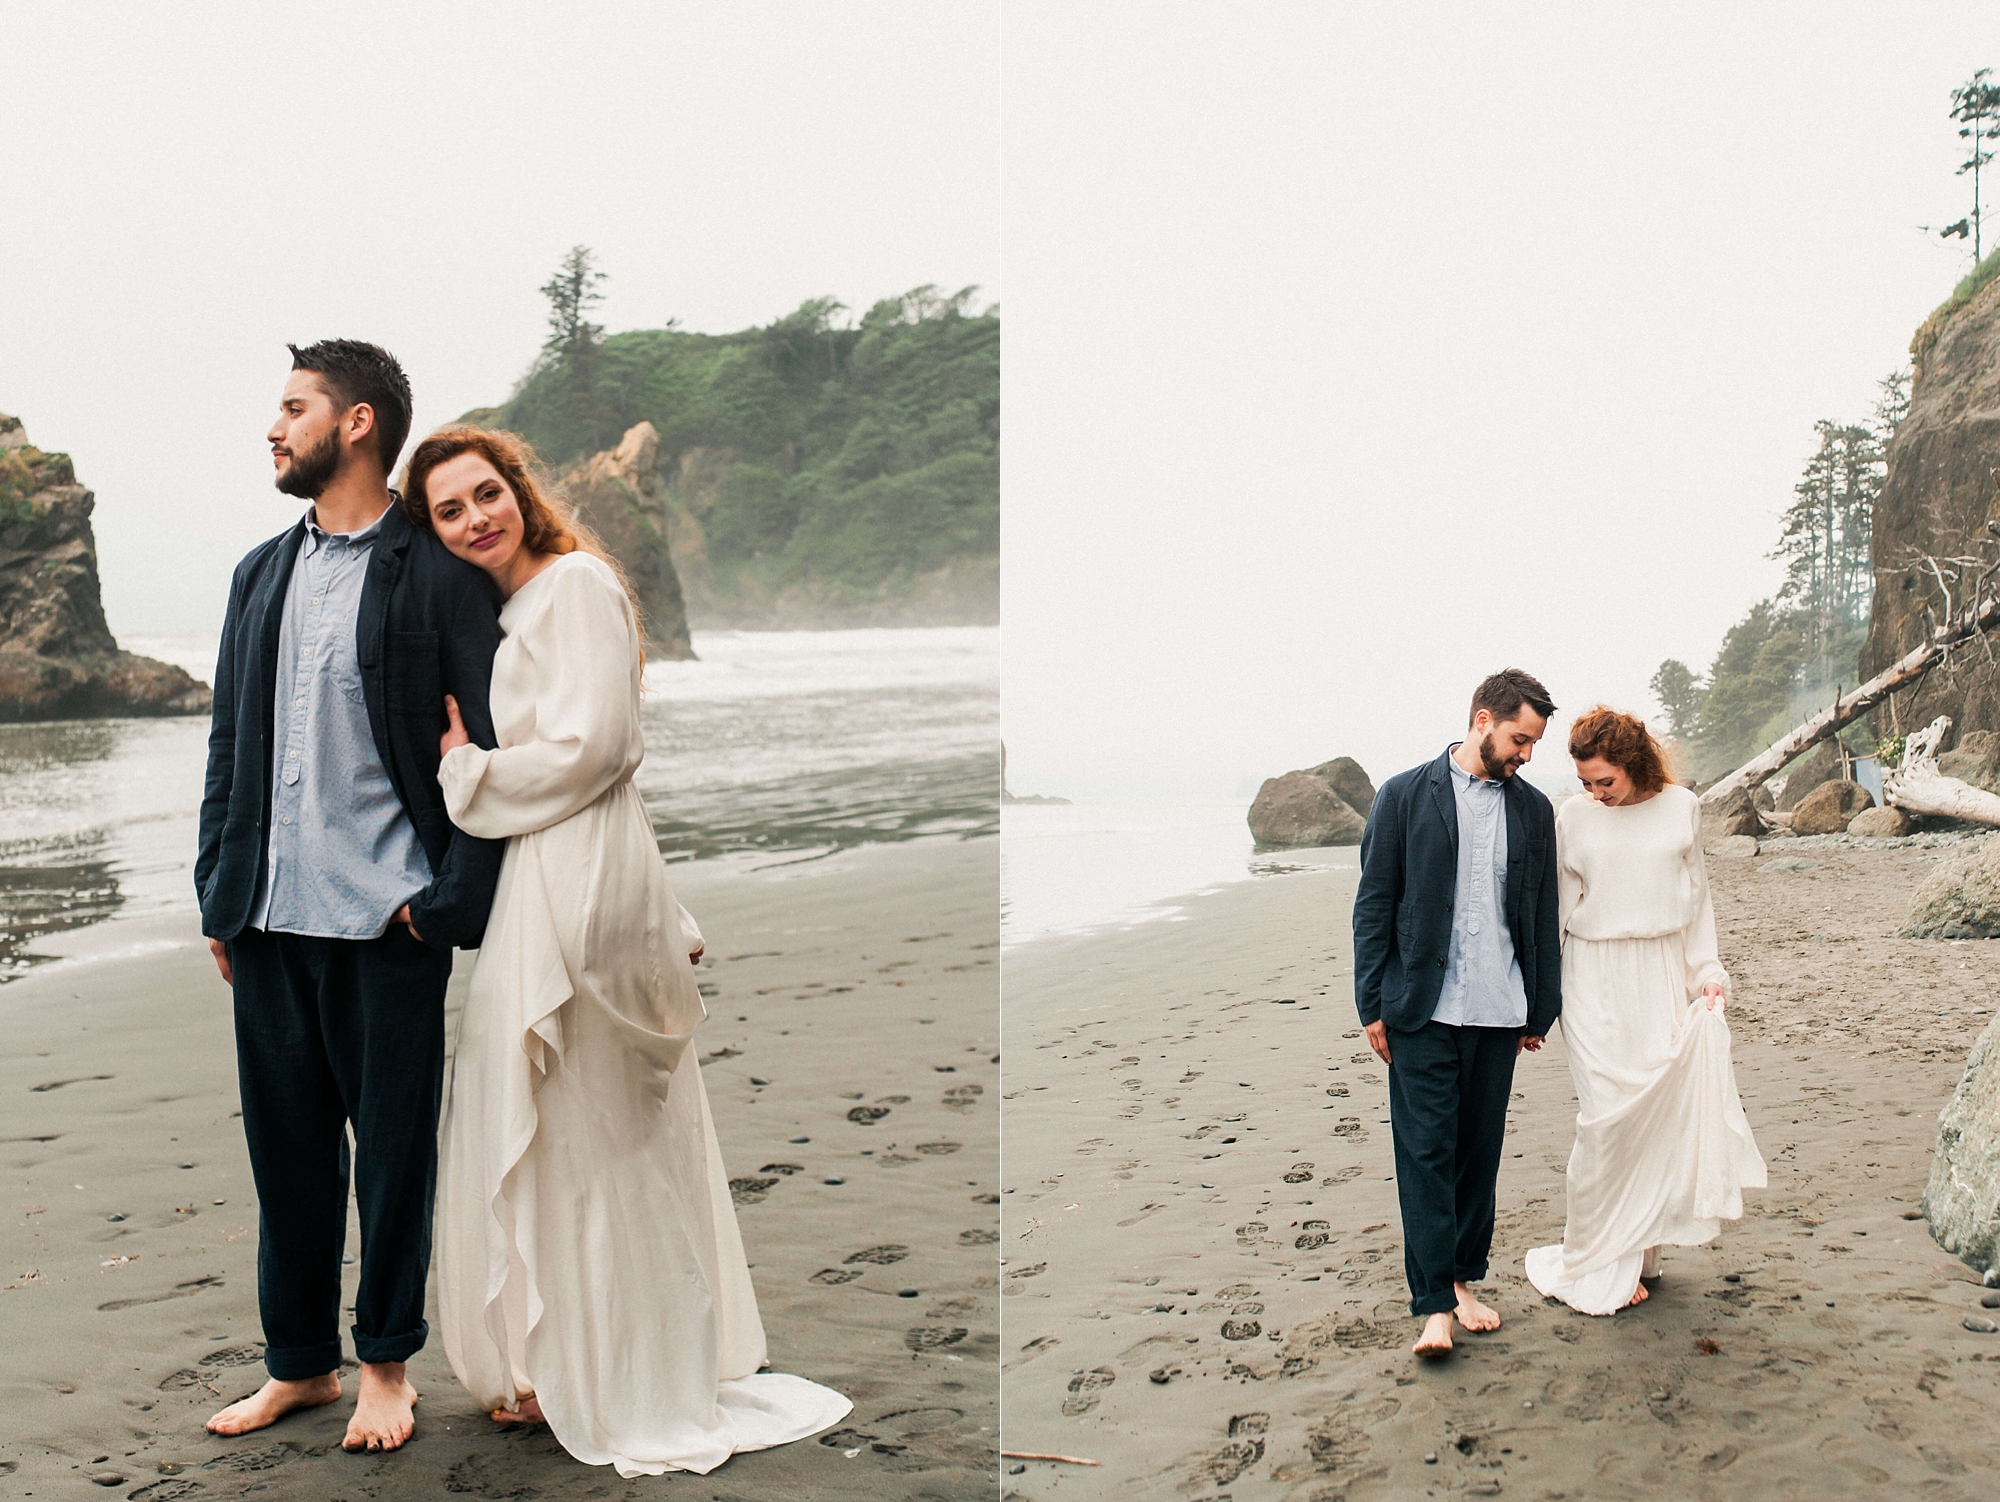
[821,469]
[1900,499]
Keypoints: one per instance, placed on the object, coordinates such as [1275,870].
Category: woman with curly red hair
[1663,1151]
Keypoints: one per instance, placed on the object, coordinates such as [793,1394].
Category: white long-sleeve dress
[1663,1150]
[587,1249]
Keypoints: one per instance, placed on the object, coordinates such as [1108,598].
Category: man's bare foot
[384,1416]
[1639,1296]
[272,1402]
[530,1412]
[1472,1314]
[1436,1339]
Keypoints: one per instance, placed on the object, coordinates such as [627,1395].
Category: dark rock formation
[1815,769]
[1962,1200]
[1301,808]
[618,494]
[1937,499]
[1344,775]
[57,657]
[1828,807]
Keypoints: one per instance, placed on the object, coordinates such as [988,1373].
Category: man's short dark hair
[353,373]
[1503,694]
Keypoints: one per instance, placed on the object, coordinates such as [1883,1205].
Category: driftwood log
[1971,622]
[1918,787]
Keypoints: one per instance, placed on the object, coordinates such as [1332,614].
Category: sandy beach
[864,983]
[1202,1279]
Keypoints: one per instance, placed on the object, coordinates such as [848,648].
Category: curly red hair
[1625,742]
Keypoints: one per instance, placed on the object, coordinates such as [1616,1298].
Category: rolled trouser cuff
[298,1363]
[1434,1303]
[373,1349]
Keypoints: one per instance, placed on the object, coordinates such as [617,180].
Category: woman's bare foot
[1472,1314]
[273,1401]
[384,1413]
[530,1412]
[1639,1296]
[1436,1339]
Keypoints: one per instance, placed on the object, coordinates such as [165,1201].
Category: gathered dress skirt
[1663,1150]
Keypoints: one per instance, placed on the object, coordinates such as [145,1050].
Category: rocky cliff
[57,657]
[1943,487]
[618,493]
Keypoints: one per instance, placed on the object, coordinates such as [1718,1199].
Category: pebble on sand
[1979,1325]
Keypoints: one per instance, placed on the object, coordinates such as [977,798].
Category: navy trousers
[1448,1090]
[331,1032]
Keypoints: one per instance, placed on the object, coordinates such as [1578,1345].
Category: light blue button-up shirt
[343,855]
[1482,975]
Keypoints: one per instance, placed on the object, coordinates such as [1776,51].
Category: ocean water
[773,746]
[1075,868]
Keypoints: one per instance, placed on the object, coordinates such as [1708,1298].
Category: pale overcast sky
[188,187]
[1356,351]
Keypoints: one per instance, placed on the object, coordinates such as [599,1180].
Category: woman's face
[475,513]
[1607,783]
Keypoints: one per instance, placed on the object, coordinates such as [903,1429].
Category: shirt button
[287,819]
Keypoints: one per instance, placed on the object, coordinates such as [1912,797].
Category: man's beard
[1497,768]
[312,471]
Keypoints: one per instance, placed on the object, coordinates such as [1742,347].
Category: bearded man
[334,887]
[1457,969]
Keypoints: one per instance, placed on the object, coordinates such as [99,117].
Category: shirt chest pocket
[343,664]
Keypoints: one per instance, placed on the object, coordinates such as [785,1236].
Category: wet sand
[1202,1280]
[865,984]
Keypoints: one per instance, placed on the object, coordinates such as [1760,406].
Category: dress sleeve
[1569,881]
[1698,945]
[583,647]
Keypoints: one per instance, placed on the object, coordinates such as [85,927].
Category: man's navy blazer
[428,626]
[1409,876]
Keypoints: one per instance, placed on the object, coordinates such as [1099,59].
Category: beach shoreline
[870,975]
[1202,1286]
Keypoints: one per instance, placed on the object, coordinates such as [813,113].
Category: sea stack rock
[1936,495]
[618,494]
[1302,808]
[1828,807]
[1350,784]
[58,660]
[1962,1200]
[1729,817]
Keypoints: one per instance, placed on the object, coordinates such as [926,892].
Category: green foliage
[1679,692]
[1969,288]
[858,453]
[23,471]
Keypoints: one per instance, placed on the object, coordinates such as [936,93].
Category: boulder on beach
[1301,808]
[1959,900]
[1828,808]
[1962,1200]
[1974,760]
[1350,784]
[1818,767]
[1880,823]
[1729,817]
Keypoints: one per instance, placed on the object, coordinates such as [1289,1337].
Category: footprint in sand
[1312,1234]
[834,1276]
[867,1115]
[1299,1173]
[892,1100]
[1245,1449]
[1338,1092]
[233,1356]
[787,1169]
[1241,1329]
[980,1236]
[1352,1171]
[749,1191]
[1033,1271]
[1249,1232]
[1084,1389]
[878,1256]
[1350,1126]
[962,1098]
[933,1337]
[939,1149]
